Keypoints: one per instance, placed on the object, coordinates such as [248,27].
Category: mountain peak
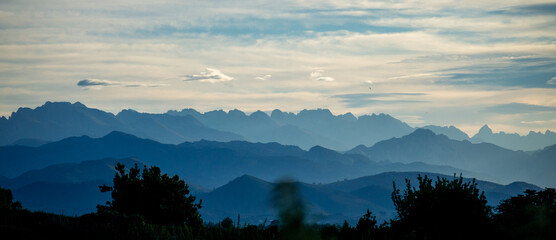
[60,104]
[320,149]
[236,113]
[276,112]
[259,114]
[485,130]
[316,113]
[423,132]
[119,135]
[245,180]
[348,117]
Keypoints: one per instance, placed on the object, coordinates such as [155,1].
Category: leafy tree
[6,200]
[528,216]
[227,223]
[443,210]
[366,225]
[347,232]
[158,198]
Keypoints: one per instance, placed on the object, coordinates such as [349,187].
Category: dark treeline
[150,205]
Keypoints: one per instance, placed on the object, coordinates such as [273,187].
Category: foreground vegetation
[150,205]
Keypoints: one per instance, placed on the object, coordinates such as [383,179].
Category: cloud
[534,9]
[539,121]
[358,100]
[316,75]
[99,83]
[518,108]
[210,75]
[520,72]
[264,78]
[96,82]
[551,81]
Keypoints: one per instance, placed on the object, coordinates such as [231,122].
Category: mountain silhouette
[64,198]
[451,132]
[376,186]
[171,129]
[208,163]
[58,120]
[305,129]
[86,171]
[496,163]
[329,203]
[530,142]
[75,193]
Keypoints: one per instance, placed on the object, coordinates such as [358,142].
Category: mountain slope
[58,120]
[329,203]
[87,171]
[15,160]
[166,128]
[63,198]
[425,146]
[381,183]
[451,132]
[252,198]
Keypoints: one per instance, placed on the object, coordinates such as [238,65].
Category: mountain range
[57,120]
[248,196]
[54,158]
[207,163]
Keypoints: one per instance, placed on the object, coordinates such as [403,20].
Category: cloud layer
[519,108]
[464,55]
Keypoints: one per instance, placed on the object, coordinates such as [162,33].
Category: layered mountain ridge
[57,120]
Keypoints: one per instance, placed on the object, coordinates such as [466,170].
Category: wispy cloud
[263,78]
[96,82]
[518,108]
[316,75]
[210,75]
[99,83]
[357,100]
[533,9]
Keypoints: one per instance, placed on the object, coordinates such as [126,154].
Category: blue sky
[462,63]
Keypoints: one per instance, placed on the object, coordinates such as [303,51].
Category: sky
[442,62]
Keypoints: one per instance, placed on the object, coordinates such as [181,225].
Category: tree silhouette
[158,198]
[366,225]
[6,200]
[443,210]
[528,216]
